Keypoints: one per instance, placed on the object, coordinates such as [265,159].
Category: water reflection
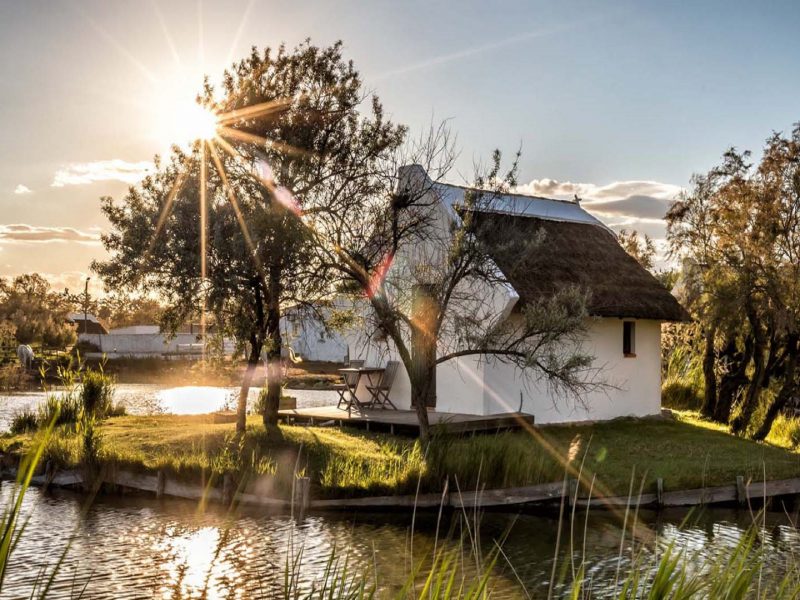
[194,399]
[138,547]
[145,399]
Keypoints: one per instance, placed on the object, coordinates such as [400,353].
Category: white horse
[25,355]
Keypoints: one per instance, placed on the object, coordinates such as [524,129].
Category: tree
[428,283]
[737,234]
[37,314]
[294,137]
[120,309]
[639,247]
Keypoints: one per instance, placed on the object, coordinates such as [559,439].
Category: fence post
[161,483]
[227,489]
[572,492]
[49,472]
[302,493]
[741,491]
[659,492]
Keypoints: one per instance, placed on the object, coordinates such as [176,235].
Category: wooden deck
[404,421]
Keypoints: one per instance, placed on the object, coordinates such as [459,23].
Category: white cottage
[303,331]
[627,307]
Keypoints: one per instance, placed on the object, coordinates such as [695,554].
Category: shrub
[261,401]
[680,396]
[91,441]
[683,384]
[62,409]
[785,431]
[24,421]
[97,393]
[117,410]
[13,377]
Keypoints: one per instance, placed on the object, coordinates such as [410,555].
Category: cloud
[32,233]
[22,189]
[632,205]
[631,199]
[101,170]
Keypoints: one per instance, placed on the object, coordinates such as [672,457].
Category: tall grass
[97,392]
[87,393]
[683,383]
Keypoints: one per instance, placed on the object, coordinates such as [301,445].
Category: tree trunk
[420,395]
[274,370]
[734,379]
[423,356]
[244,391]
[788,389]
[709,375]
[740,422]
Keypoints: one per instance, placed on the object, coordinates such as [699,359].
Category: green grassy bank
[686,453]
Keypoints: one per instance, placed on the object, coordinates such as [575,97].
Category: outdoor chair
[350,380]
[380,392]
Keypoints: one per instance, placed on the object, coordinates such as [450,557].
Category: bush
[785,432]
[64,408]
[97,393]
[92,441]
[117,410]
[682,388]
[261,402]
[24,421]
[680,396]
[13,377]
[92,399]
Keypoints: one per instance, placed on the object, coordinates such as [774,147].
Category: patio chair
[380,392]
[350,380]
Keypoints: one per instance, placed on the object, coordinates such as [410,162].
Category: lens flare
[188,124]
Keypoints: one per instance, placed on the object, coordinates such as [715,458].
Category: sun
[192,123]
[182,121]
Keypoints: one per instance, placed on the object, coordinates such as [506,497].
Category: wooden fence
[741,492]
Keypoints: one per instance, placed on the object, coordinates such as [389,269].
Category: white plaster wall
[636,380]
[459,385]
[309,340]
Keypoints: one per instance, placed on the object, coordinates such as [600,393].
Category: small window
[629,338]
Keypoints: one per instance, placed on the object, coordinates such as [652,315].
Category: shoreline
[536,499]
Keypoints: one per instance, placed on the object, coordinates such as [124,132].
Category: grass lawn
[686,453]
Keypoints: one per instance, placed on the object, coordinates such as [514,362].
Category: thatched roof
[539,256]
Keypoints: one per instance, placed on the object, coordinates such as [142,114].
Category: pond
[144,399]
[134,547]
[139,547]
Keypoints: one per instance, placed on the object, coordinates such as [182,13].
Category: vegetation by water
[458,567]
[686,453]
[87,394]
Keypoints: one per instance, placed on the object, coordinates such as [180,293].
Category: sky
[618,102]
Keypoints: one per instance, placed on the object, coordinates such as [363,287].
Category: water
[145,399]
[133,547]
[137,547]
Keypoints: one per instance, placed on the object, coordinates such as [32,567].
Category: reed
[458,568]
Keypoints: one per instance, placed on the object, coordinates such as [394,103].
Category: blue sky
[602,96]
